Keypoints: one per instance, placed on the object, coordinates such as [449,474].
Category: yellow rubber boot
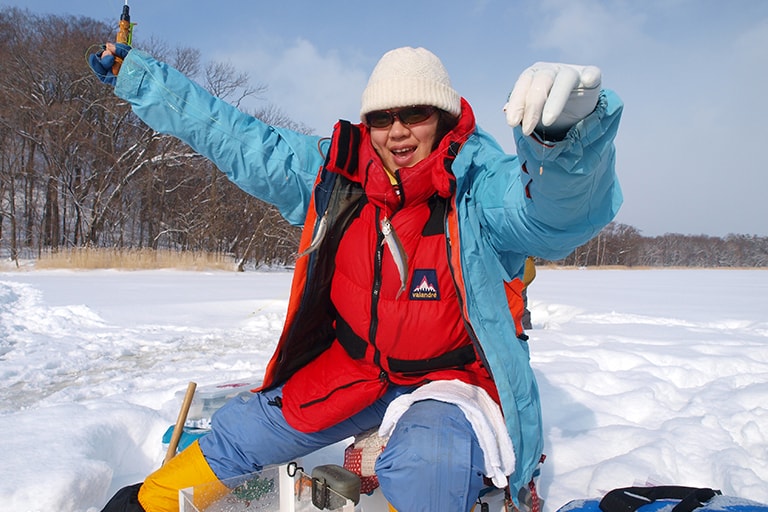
[160,491]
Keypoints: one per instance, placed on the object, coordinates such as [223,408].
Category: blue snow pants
[432,461]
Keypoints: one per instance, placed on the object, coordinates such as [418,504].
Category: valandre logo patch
[424,285]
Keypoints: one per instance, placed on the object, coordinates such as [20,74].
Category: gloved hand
[106,64]
[552,97]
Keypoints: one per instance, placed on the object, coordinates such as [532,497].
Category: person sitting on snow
[416,229]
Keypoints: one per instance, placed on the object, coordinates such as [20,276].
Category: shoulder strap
[629,499]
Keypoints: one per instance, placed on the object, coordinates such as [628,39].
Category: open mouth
[402,154]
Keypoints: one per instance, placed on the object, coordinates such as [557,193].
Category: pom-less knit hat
[409,76]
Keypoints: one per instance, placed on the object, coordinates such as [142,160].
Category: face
[404,145]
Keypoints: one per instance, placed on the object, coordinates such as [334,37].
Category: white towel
[480,410]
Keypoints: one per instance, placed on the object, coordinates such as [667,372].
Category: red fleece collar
[352,156]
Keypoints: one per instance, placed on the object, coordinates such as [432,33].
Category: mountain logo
[424,285]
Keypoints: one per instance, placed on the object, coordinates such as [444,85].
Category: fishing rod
[124,34]
[125,27]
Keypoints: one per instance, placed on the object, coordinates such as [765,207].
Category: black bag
[670,498]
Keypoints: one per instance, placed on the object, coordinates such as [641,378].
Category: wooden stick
[179,428]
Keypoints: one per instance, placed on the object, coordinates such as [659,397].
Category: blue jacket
[546,201]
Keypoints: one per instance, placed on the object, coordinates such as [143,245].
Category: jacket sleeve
[276,165]
[554,196]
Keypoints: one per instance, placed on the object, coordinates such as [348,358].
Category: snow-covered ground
[656,376]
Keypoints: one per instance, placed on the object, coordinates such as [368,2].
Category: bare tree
[77,168]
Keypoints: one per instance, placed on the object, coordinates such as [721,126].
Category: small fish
[397,251]
[319,235]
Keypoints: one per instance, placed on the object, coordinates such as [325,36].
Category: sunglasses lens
[380,118]
[413,115]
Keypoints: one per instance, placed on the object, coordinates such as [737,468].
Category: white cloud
[587,29]
[312,88]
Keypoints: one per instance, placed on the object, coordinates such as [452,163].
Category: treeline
[78,169]
[622,245]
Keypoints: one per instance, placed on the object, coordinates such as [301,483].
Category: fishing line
[544,149]
[89,51]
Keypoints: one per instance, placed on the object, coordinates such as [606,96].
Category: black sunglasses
[407,116]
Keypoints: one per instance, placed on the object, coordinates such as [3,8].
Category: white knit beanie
[409,76]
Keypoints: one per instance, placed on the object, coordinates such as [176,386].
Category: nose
[398,129]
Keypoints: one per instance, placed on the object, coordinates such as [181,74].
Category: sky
[690,72]
[649,378]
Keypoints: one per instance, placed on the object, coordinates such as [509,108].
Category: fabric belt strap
[455,358]
[355,346]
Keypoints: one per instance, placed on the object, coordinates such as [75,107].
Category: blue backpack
[670,498]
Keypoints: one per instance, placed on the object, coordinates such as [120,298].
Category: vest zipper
[376,290]
[375,293]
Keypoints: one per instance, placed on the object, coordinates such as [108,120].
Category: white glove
[552,97]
